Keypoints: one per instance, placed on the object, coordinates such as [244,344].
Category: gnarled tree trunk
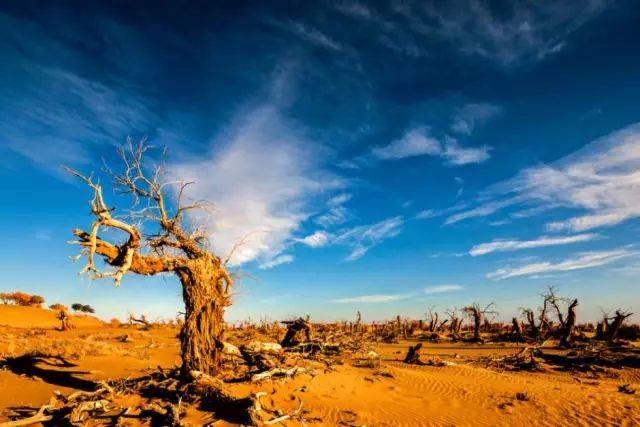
[202,334]
[569,325]
[614,327]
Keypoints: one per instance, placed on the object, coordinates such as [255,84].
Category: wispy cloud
[468,116]
[370,299]
[364,237]
[316,239]
[42,235]
[261,182]
[337,213]
[416,142]
[427,213]
[419,142]
[442,289]
[310,34]
[50,112]
[602,179]
[581,261]
[279,260]
[485,209]
[515,245]
[457,155]
[526,32]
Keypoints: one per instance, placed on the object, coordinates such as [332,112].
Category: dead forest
[546,338]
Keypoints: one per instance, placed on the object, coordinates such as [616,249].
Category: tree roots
[165,396]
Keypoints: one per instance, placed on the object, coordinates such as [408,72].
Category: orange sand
[463,394]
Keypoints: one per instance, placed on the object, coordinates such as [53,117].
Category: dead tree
[413,354]
[171,248]
[293,327]
[142,320]
[64,320]
[456,323]
[433,320]
[613,328]
[477,315]
[517,332]
[550,298]
[601,329]
[569,324]
[534,329]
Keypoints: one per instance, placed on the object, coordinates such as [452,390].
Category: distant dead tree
[566,337]
[455,324]
[167,248]
[539,326]
[612,329]
[432,317]
[566,323]
[142,320]
[293,327]
[517,331]
[63,317]
[477,314]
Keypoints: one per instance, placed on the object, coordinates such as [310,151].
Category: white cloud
[259,177]
[583,260]
[418,142]
[279,260]
[427,213]
[480,211]
[514,245]
[457,155]
[337,213]
[334,216]
[371,299]
[338,200]
[364,237]
[310,34]
[601,179]
[316,240]
[442,289]
[467,117]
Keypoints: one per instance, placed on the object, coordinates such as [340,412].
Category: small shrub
[58,307]
[36,300]
[84,308]
[21,298]
[626,389]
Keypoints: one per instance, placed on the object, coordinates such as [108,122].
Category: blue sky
[387,157]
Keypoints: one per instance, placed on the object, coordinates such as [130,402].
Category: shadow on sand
[50,369]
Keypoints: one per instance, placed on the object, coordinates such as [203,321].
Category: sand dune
[35,317]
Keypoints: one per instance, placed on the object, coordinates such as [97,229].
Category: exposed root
[281,372]
[169,394]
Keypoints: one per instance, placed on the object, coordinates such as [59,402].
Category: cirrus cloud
[515,245]
[581,261]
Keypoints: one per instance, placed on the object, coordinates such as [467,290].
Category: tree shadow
[31,366]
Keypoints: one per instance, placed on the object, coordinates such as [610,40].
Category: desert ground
[363,384]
